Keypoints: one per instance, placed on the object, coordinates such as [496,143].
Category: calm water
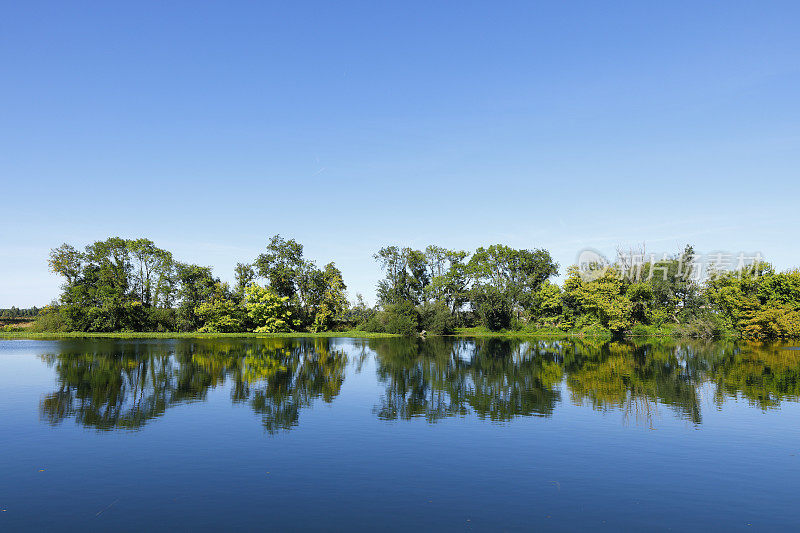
[397,434]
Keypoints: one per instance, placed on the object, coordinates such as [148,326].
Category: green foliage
[517,274]
[603,300]
[282,265]
[401,319]
[759,303]
[49,320]
[266,310]
[318,297]
[15,312]
[406,275]
[197,286]
[436,318]
[773,323]
[221,313]
[703,326]
[546,301]
[493,307]
[120,285]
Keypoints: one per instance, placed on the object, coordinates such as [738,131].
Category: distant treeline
[132,285]
[15,312]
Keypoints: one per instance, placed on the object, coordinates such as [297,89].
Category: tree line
[15,312]
[132,285]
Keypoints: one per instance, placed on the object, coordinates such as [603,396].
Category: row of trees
[120,284]
[432,289]
[132,285]
[15,312]
[506,288]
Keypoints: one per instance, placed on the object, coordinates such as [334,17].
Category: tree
[406,275]
[197,286]
[152,269]
[282,265]
[546,302]
[220,312]
[449,278]
[493,307]
[517,274]
[245,274]
[267,311]
[67,262]
[333,303]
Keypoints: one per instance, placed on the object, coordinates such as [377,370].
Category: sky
[210,126]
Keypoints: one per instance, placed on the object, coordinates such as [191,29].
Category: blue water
[350,434]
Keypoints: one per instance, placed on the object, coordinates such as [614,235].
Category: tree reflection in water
[126,385]
[109,385]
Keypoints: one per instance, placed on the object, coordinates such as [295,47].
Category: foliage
[267,311]
[704,326]
[546,301]
[517,274]
[49,320]
[221,313]
[492,306]
[436,318]
[125,285]
[318,297]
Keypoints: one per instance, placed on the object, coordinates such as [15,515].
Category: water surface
[487,434]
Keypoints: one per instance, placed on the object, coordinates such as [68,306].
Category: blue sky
[209,126]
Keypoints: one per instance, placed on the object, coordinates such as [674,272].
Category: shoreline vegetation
[132,289]
[466,333]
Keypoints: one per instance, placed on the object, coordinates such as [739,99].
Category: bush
[160,319]
[436,318]
[49,320]
[706,326]
[772,323]
[640,330]
[373,324]
[595,330]
[401,319]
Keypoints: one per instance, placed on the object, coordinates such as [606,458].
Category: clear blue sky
[209,126]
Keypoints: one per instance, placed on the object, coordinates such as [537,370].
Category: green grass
[185,335]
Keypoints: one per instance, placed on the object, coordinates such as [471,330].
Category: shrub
[705,326]
[402,319]
[596,330]
[772,323]
[373,324]
[436,318]
[49,320]
[161,319]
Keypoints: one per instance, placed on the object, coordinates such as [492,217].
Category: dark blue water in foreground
[350,434]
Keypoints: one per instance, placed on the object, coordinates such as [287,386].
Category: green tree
[333,303]
[267,310]
[517,274]
[221,313]
[282,264]
[197,286]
